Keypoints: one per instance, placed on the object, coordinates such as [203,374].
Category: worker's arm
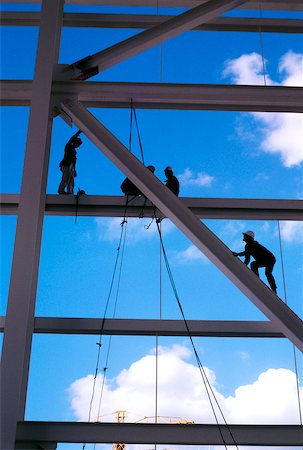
[238,254]
[74,137]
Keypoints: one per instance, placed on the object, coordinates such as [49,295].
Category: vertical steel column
[22,294]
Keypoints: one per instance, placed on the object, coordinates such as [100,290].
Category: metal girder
[288,5]
[25,266]
[153,327]
[204,208]
[138,433]
[220,97]
[220,255]
[138,21]
[100,61]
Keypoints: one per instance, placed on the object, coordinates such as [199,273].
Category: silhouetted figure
[129,188]
[68,165]
[172,182]
[263,257]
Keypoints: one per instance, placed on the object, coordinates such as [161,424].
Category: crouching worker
[68,165]
[263,257]
[129,188]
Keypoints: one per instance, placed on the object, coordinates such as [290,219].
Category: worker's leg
[64,180]
[268,272]
[255,267]
[70,179]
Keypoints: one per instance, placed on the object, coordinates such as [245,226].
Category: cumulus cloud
[292,231]
[270,399]
[109,229]
[247,69]
[189,178]
[190,254]
[281,133]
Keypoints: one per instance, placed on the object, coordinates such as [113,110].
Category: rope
[161,50]
[207,385]
[77,196]
[99,343]
[294,348]
[131,125]
[261,43]
[114,315]
[157,336]
[280,239]
[139,137]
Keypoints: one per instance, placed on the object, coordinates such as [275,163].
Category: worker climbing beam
[100,61]
[220,255]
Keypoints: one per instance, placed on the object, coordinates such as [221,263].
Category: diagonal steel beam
[117,53]
[282,316]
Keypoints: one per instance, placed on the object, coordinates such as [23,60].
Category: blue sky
[214,154]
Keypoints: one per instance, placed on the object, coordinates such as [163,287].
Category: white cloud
[247,69]
[271,399]
[292,231]
[109,229]
[192,253]
[281,133]
[189,178]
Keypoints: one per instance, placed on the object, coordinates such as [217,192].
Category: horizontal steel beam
[135,433]
[293,5]
[204,208]
[143,21]
[153,327]
[218,97]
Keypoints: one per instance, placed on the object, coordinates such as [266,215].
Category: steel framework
[58,89]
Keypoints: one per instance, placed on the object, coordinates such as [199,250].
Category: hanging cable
[161,50]
[99,343]
[131,125]
[207,385]
[294,347]
[138,134]
[261,42]
[279,233]
[113,316]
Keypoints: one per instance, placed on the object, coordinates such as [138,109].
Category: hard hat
[168,168]
[249,233]
[151,168]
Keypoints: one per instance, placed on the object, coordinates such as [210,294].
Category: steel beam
[100,61]
[204,208]
[153,327]
[220,255]
[24,274]
[139,21]
[170,96]
[135,433]
[293,5]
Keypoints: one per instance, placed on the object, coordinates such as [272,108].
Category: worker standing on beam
[68,165]
[171,182]
[263,257]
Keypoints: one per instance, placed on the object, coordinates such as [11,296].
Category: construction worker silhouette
[171,182]
[129,188]
[263,257]
[68,165]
